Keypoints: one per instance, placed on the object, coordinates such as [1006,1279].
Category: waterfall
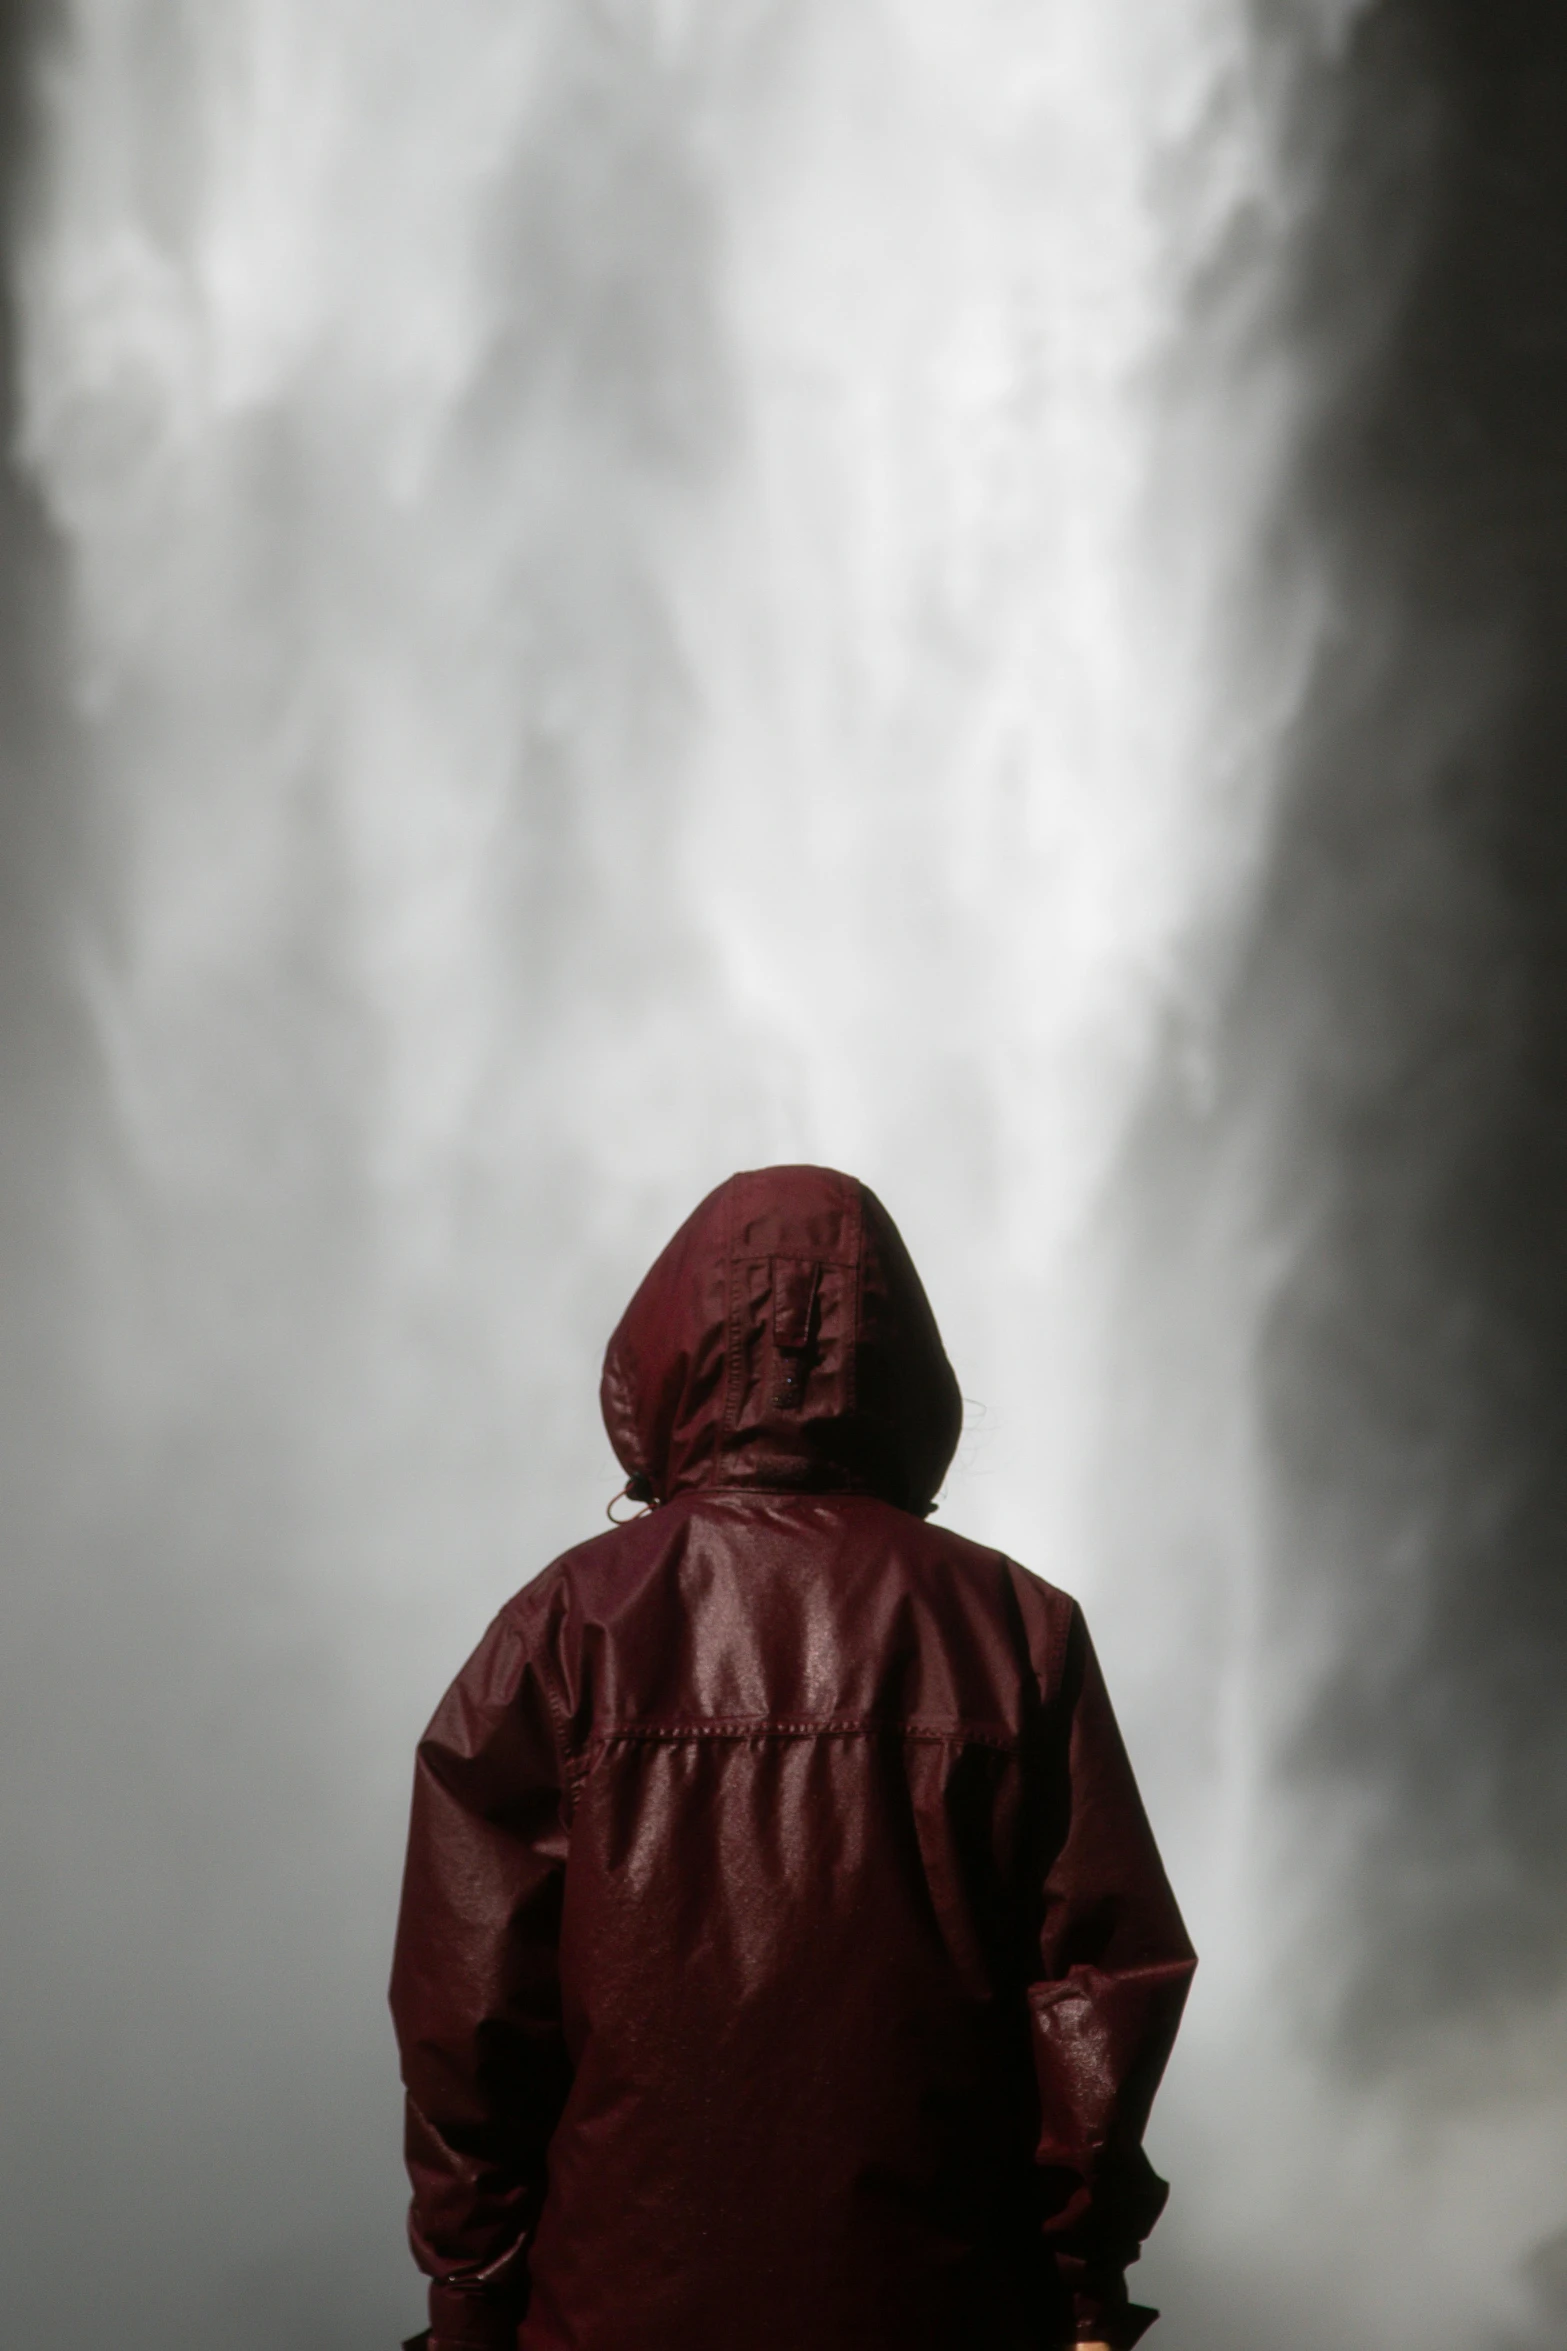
[646,587]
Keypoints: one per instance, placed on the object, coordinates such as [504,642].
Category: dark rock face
[1405,1014]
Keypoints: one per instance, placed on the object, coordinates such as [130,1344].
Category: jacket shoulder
[604,1559]
[1047,1614]
[1044,1614]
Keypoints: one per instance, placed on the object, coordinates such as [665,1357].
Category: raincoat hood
[783,1340]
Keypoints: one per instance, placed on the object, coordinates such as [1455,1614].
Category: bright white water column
[656,587]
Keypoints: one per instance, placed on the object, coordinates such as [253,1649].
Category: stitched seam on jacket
[1060,1642]
[739,1728]
[535,1659]
[733,1353]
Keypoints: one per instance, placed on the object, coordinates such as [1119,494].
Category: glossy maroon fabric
[785,1963]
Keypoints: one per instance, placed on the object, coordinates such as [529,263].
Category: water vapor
[615,592]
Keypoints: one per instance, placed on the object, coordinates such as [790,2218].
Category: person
[784,1962]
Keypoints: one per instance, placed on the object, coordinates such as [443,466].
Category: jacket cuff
[472,2322]
[1110,2320]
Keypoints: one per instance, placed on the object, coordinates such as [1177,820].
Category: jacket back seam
[740,1728]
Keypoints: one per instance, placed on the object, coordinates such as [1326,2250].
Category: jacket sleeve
[1114,1968]
[475,1989]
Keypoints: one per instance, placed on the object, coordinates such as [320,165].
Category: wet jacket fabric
[785,1962]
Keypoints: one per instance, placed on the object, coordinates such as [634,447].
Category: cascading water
[652,587]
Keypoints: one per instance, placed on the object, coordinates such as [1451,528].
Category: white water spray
[657,587]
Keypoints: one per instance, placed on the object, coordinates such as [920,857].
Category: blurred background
[599,591]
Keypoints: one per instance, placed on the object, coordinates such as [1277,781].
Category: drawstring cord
[637,1488]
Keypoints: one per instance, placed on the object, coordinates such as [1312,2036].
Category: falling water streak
[657,586]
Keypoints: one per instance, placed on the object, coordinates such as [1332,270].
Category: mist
[600,594]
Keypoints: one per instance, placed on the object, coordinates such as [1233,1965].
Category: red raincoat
[785,1963]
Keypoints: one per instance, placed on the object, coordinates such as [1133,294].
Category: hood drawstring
[637,1488]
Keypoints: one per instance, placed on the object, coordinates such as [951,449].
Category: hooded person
[785,1962]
